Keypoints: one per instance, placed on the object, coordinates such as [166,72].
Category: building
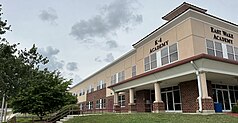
[186,65]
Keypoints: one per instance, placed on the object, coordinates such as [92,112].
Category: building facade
[186,65]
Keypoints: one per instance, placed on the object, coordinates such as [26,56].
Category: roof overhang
[180,71]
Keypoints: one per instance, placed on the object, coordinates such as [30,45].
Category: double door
[171,100]
[223,98]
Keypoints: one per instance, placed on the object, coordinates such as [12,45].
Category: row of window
[118,77]
[222,50]
[160,58]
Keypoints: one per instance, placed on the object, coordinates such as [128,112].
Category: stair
[66,118]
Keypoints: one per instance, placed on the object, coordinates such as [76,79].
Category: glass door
[223,98]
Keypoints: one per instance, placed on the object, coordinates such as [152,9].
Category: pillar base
[158,107]
[207,105]
[117,108]
[132,108]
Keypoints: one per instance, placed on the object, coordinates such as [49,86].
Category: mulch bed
[233,114]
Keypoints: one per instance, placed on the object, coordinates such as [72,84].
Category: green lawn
[155,118]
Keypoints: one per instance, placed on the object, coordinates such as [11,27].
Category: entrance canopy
[216,69]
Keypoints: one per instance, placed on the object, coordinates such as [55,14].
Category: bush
[235,109]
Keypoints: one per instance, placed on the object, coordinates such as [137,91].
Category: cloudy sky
[81,36]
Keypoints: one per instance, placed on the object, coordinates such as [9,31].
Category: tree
[45,94]
[29,89]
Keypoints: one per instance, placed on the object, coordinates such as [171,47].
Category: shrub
[235,109]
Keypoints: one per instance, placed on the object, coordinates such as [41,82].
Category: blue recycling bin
[217,107]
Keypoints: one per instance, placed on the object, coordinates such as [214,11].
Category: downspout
[199,86]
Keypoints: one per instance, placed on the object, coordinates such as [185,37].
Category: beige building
[189,64]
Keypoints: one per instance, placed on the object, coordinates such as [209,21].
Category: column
[131,105]
[116,106]
[158,105]
[207,102]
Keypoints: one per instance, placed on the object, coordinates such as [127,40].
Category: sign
[159,44]
[222,35]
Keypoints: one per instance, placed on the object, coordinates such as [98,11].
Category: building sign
[159,44]
[222,35]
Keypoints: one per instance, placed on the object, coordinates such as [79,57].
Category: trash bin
[217,107]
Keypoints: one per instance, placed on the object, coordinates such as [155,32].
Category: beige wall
[190,36]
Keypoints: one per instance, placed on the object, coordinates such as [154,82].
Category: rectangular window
[133,70]
[97,104]
[90,105]
[150,62]
[147,63]
[101,85]
[114,79]
[169,54]
[121,100]
[173,52]
[218,48]
[214,49]
[230,52]
[236,53]
[210,47]
[121,76]
[90,89]
[153,61]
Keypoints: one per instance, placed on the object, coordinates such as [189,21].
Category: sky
[79,37]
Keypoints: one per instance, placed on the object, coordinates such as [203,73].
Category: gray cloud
[111,44]
[50,53]
[116,15]
[108,58]
[72,66]
[48,15]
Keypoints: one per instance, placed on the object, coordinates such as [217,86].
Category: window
[150,62]
[90,89]
[147,63]
[133,70]
[81,92]
[210,47]
[218,48]
[214,49]
[121,100]
[173,52]
[153,61]
[114,79]
[169,54]
[101,85]
[90,105]
[81,106]
[236,53]
[230,52]
[121,76]
[101,103]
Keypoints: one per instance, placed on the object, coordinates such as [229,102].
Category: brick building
[186,65]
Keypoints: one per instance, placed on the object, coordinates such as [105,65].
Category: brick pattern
[189,95]
[110,103]
[207,104]
[141,97]
[96,95]
[132,107]
[158,107]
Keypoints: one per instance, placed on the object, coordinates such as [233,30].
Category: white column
[131,91]
[157,92]
[204,85]
[115,98]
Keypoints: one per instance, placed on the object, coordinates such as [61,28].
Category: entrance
[223,98]
[171,98]
[226,95]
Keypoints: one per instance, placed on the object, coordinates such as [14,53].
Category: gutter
[199,86]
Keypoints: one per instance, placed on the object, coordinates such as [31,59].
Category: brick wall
[189,95]
[96,95]
[141,97]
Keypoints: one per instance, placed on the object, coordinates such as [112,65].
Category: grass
[155,118]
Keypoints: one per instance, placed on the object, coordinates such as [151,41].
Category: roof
[181,9]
